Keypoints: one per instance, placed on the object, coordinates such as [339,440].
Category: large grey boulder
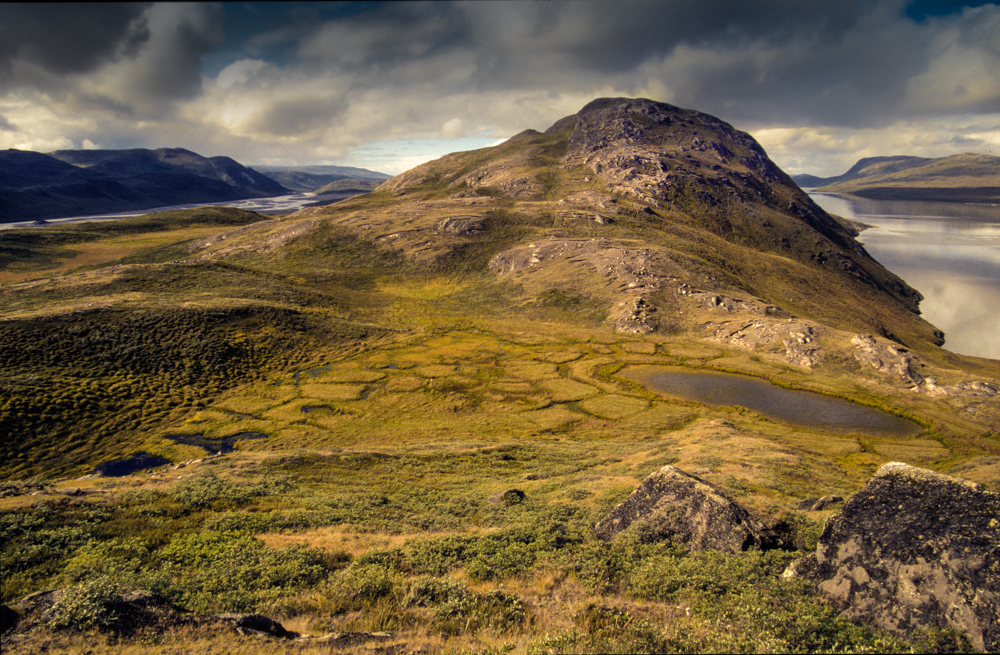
[671,504]
[914,549]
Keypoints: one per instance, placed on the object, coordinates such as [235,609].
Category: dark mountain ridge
[85,182]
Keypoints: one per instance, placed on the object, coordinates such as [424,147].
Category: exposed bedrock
[914,549]
[671,504]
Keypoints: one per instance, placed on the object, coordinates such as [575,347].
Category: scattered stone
[8,618]
[887,358]
[8,489]
[914,549]
[508,498]
[256,624]
[671,504]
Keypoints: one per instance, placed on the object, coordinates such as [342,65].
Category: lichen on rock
[914,549]
[673,505]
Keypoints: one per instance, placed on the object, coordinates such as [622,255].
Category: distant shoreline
[269,206]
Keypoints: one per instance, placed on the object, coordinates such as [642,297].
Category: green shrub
[361,585]
[91,604]
[494,611]
[427,591]
[231,571]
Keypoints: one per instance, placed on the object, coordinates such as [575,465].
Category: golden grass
[105,251]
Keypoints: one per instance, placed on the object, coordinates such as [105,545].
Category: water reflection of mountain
[950,252]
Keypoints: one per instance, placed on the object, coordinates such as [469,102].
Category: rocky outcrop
[256,624]
[886,357]
[132,612]
[914,549]
[671,504]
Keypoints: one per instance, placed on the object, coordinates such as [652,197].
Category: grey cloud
[785,61]
[69,38]
[6,125]
[299,117]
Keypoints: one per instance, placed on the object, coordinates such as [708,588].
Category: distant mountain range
[322,179]
[958,178]
[35,185]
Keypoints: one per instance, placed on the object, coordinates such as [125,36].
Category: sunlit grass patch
[512,386]
[259,398]
[532,370]
[564,390]
[822,444]
[665,416]
[563,356]
[332,391]
[397,383]
[913,451]
[557,417]
[345,374]
[612,406]
[639,347]
[436,371]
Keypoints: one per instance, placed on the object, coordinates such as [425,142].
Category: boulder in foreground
[914,549]
[671,504]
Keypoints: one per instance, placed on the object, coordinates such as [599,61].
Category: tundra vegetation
[385,372]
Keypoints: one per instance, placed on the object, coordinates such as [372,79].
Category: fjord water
[949,252]
[788,405]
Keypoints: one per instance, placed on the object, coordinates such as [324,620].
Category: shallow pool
[789,405]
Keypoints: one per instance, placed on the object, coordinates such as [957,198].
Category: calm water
[788,405]
[276,205]
[949,252]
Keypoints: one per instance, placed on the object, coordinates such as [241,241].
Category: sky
[387,86]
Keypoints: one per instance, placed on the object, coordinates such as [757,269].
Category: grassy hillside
[379,372]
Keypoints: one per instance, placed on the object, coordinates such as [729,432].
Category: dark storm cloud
[68,38]
[315,80]
[846,64]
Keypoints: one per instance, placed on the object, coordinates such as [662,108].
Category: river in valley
[275,205]
[949,252]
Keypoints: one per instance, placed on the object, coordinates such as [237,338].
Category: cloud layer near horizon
[820,85]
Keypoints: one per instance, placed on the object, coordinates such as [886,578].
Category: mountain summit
[639,205]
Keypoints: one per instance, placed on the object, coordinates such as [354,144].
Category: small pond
[791,406]
[213,446]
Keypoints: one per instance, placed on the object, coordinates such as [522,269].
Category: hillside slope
[395,421]
[700,199]
[958,178]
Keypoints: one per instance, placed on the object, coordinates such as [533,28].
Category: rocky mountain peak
[668,156]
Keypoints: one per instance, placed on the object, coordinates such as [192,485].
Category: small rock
[508,498]
[671,504]
[256,624]
[8,618]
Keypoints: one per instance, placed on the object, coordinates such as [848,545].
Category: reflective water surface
[275,205]
[949,252]
[791,406]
